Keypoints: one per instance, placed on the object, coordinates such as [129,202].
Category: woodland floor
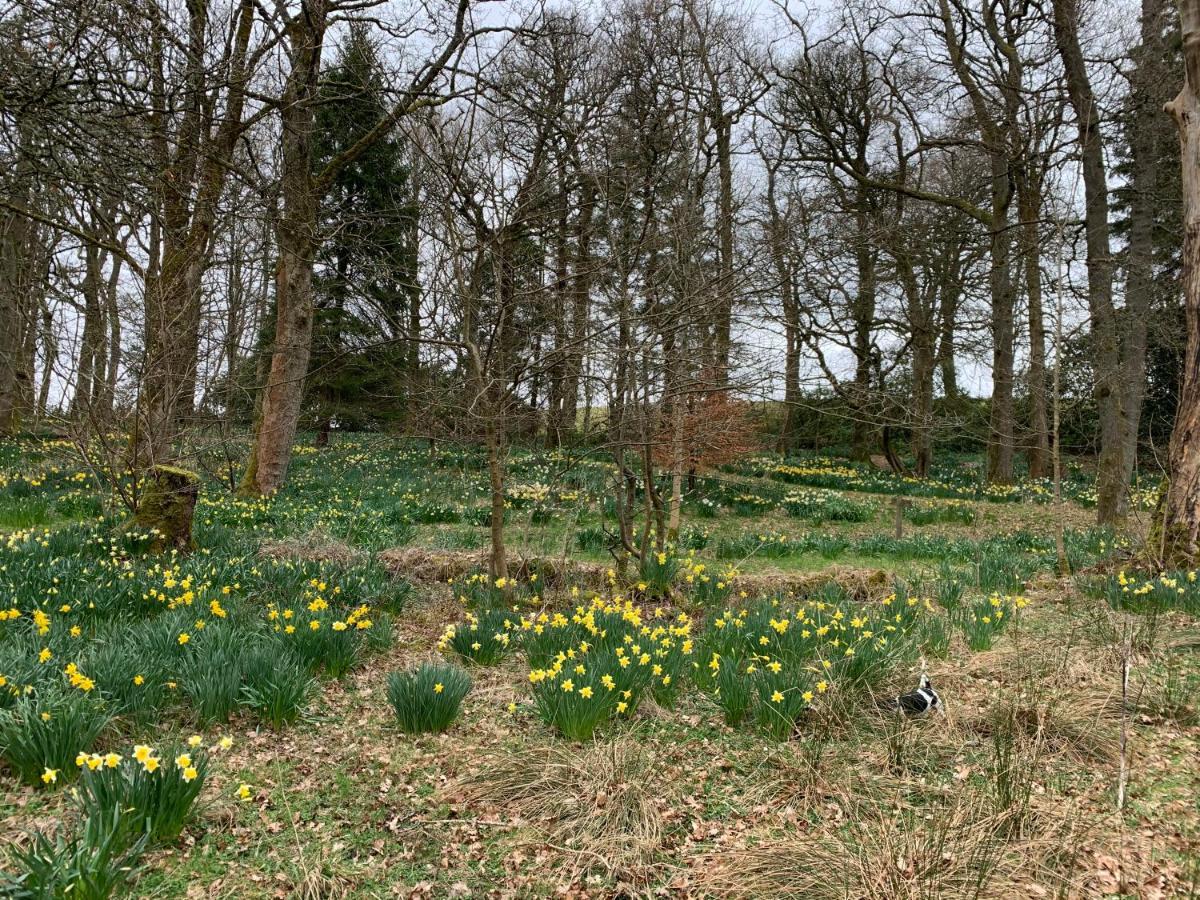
[858,803]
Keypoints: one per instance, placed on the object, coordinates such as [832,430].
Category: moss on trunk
[168,504]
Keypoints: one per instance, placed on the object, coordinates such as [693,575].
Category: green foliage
[483,639]
[586,689]
[278,688]
[212,682]
[365,284]
[950,511]
[825,506]
[46,731]
[657,571]
[95,863]
[428,698]
[597,664]
[154,794]
[1143,593]
[984,620]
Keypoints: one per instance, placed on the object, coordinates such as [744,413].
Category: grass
[1012,793]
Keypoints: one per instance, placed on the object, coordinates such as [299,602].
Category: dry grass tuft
[859,584]
[425,566]
[1077,727]
[313,546]
[597,804]
[952,847]
[320,884]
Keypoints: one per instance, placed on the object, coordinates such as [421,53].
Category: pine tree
[366,272]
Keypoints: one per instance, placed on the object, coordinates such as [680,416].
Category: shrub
[45,733]
[428,698]
[95,863]
[154,794]
[484,639]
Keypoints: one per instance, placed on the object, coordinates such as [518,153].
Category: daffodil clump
[479,591]
[127,803]
[824,506]
[523,495]
[1167,590]
[598,663]
[320,631]
[958,512]
[483,639]
[774,660]
[86,616]
[657,572]
[984,620]
[155,789]
[44,729]
[705,585]
[427,698]
[746,504]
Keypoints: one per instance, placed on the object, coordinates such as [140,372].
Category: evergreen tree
[366,272]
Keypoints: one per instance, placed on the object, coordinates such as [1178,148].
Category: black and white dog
[920,702]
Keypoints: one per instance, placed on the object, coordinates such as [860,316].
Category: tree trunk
[948,318]
[1001,425]
[1111,490]
[1178,534]
[15,289]
[864,322]
[498,560]
[1030,207]
[191,181]
[296,237]
[1147,90]
[112,366]
[90,370]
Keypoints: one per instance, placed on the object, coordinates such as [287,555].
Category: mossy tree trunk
[168,505]
[1180,520]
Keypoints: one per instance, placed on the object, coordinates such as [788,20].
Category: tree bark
[1147,89]
[1111,489]
[296,238]
[1002,422]
[1176,538]
[15,289]
[1030,206]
